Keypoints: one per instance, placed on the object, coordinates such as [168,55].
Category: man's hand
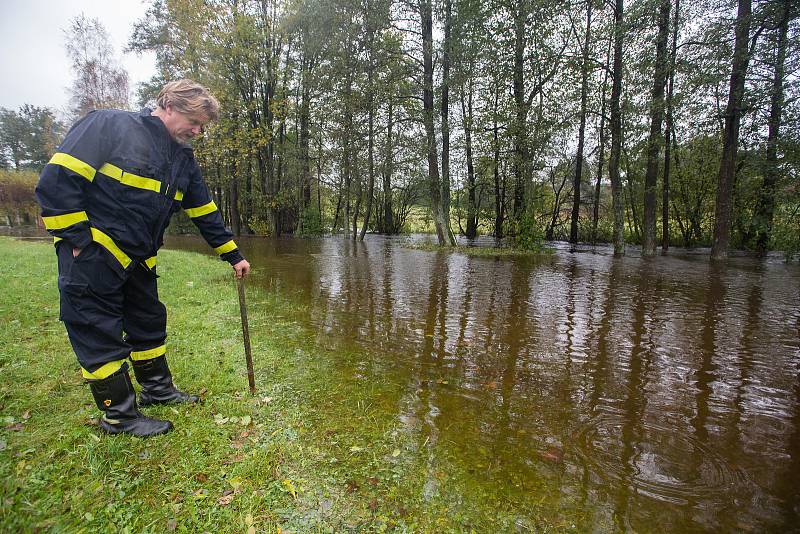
[242,269]
[76,251]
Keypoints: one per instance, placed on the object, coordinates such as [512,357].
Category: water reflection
[645,394]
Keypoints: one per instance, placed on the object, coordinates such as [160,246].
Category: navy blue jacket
[117,178]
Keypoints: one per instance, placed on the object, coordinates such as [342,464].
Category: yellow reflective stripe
[56,240]
[227,247]
[74,164]
[178,195]
[201,210]
[104,371]
[127,178]
[57,222]
[139,355]
[112,247]
[150,262]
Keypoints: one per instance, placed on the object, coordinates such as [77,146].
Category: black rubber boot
[116,398]
[157,386]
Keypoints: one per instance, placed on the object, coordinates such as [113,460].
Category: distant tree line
[657,122]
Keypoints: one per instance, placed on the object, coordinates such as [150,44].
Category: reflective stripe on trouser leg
[91,309]
[144,316]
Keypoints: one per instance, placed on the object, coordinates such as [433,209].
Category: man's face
[181,126]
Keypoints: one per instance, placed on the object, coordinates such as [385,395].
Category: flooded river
[637,394]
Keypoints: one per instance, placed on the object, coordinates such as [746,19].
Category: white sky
[33,63]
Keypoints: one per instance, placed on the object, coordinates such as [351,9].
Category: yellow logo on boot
[107,402]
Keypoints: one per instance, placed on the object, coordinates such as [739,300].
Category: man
[107,196]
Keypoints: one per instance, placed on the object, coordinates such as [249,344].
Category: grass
[318,449]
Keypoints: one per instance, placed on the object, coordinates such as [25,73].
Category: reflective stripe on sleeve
[112,247]
[104,371]
[57,222]
[74,164]
[150,262]
[199,211]
[139,355]
[127,178]
[227,247]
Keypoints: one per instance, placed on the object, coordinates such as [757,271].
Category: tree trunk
[616,134]
[388,216]
[668,132]
[466,114]
[445,110]
[576,187]
[430,132]
[765,209]
[371,129]
[601,155]
[656,139]
[499,192]
[730,135]
[519,133]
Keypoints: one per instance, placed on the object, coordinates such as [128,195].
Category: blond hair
[189,97]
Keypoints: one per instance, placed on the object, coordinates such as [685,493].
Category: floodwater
[637,394]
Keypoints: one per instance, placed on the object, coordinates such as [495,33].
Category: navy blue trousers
[108,311]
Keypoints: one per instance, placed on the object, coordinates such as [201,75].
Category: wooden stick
[246,335]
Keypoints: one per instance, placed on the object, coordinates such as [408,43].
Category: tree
[656,139]
[730,135]
[616,133]
[100,82]
[765,210]
[29,136]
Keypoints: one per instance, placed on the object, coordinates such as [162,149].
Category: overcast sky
[33,63]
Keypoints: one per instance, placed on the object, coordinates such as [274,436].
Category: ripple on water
[663,463]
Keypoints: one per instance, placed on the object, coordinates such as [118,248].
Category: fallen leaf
[252,530]
[355,448]
[200,494]
[227,492]
[201,477]
[554,455]
[289,485]
[373,504]
[395,453]
[246,420]
[248,520]
[233,459]
[265,400]
[16,427]
[26,415]
[225,500]
[237,445]
[172,525]
[236,483]
[352,487]
[202,391]
[373,481]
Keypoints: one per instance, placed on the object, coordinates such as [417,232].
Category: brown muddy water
[654,394]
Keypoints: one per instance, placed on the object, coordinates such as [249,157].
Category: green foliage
[28,137]
[311,222]
[528,233]
[17,201]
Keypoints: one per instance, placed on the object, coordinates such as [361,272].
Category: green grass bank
[318,449]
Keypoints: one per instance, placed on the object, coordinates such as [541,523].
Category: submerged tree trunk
[601,155]
[466,114]
[616,134]
[730,135]
[656,138]
[576,188]
[765,209]
[445,109]
[665,192]
[434,184]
